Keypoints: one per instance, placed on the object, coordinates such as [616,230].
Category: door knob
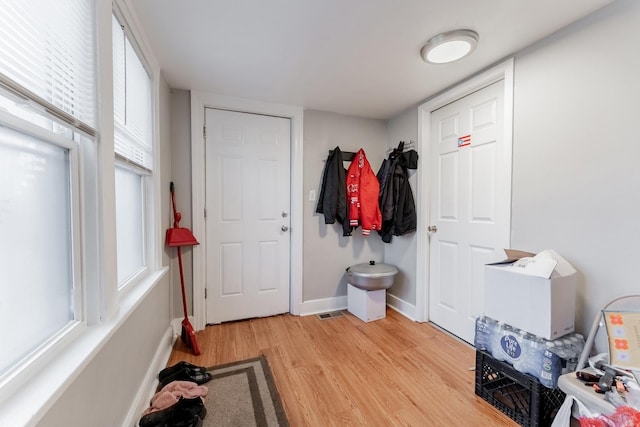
[284,228]
[285,214]
[432,228]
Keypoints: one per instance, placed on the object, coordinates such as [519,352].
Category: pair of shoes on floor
[179,366]
[171,394]
[183,371]
[186,374]
[185,413]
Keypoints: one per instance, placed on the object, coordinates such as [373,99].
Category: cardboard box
[535,293]
[366,305]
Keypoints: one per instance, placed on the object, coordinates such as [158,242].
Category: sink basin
[371,276]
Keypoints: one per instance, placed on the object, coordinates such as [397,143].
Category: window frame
[100,306]
[144,270]
[151,244]
[42,354]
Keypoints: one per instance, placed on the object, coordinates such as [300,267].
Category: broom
[178,237]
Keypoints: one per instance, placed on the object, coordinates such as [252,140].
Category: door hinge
[205,293]
[205,212]
[204,131]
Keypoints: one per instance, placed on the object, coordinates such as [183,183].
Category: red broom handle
[176,221]
[184,297]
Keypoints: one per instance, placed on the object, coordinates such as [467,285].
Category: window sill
[31,400]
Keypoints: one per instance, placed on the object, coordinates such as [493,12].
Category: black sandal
[177,367]
[184,413]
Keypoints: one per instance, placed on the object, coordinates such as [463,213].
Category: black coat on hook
[397,204]
[332,202]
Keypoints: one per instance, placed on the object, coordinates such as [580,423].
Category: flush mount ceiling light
[449,46]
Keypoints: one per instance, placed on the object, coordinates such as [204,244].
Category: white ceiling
[354,57]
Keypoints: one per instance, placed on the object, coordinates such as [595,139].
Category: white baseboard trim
[150,382]
[324,305]
[316,306]
[401,306]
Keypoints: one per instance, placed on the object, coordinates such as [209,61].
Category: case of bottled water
[545,360]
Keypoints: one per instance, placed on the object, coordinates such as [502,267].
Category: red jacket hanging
[362,194]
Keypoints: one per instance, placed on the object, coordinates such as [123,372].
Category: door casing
[200,100]
[492,75]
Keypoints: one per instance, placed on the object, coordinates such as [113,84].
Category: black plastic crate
[520,396]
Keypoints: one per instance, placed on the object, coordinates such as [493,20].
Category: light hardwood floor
[342,371]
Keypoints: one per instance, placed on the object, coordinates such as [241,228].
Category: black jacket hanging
[396,197]
[404,218]
[332,202]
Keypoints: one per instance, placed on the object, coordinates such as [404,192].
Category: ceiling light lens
[449,51]
[450,46]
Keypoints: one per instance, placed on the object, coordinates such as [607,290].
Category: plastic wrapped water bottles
[551,366]
[485,330]
[533,350]
[520,344]
[527,353]
[572,353]
[502,344]
[558,348]
[568,355]
[578,342]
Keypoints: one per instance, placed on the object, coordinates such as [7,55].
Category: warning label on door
[465,140]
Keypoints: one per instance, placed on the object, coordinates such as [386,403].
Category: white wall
[574,181]
[576,174]
[326,252]
[105,391]
[401,252]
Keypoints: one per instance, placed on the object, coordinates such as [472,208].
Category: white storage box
[517,293]
[366,305]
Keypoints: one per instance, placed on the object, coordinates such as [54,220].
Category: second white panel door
[470,205]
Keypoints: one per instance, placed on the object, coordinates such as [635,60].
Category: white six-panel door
[247,215]
[469,207]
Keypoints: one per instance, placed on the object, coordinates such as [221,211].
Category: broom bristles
[188,337]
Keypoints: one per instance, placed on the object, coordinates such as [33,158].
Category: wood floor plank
[344,372]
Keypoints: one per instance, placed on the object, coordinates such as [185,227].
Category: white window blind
[47,59]
[47,48]
[133,116]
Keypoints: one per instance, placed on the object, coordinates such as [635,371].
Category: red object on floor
[178,237]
